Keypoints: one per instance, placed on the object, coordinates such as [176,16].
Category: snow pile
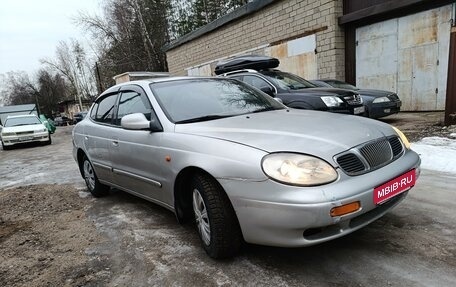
[437,153]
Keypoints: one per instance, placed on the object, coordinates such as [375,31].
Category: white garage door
[407,55]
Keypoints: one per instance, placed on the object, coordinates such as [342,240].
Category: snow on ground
[437,153]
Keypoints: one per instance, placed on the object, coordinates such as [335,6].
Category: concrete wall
[276,24]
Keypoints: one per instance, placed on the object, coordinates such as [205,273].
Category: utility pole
[100,86]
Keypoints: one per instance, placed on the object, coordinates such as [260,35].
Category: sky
[31,30]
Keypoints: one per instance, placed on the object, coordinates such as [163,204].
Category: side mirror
[138,121]
[268,90]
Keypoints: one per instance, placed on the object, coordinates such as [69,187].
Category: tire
[6,147]
[96,188]
[49,141]
[215,218]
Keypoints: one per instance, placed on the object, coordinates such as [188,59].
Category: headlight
[298,169]
[41,131]
[381,100]
[331,101]
[402,137]
[8,134]
[359,98]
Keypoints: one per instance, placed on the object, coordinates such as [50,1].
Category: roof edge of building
[240,12]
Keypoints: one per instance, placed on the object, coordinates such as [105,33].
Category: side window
[93,112]
[132,102]
[105,109]
[256,82]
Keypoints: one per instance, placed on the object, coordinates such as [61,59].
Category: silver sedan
[240,165]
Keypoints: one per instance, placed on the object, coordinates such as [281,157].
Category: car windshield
[341,85]
[194,100]
[288,81]
[21,121]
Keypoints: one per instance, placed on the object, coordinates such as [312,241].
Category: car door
[136,154]
[97,136]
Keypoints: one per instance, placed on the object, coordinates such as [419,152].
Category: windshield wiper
[203,118]
[264,110]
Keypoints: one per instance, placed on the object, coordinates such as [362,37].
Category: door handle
[86,138]
[115,143]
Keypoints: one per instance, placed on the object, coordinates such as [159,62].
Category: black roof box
[255,62]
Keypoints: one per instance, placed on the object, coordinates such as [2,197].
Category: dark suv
[378,103]
[294,91]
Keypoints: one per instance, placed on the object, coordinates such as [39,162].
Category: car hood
[321,134]
[374,93]
[324,91]
[26,128]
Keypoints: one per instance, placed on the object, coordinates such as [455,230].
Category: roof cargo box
[255,62]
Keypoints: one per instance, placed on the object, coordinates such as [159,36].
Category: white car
[23,129]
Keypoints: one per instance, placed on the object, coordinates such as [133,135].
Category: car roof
[165,79]
[154,80]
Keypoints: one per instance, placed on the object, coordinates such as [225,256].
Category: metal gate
[407,55]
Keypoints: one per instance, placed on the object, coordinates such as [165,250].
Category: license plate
[394,187]
[26,139]
[358,110]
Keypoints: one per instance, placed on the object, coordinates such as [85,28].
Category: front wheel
[5,147]
[215,218]
[96,188]
[49,141]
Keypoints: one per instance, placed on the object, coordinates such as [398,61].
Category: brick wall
[274,23]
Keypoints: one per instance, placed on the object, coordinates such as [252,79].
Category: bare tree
[19,89]
[52,89]
[129,36]
[72,63]
[3,91]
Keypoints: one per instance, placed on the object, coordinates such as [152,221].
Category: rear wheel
[96,188]
[215,218]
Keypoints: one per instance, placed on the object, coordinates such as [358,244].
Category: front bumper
[379,110]
[32,137]
[347,109]
[274,214]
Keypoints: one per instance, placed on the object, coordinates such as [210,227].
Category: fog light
[387,110]
[345,209]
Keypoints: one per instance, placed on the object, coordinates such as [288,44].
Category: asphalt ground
[54,233]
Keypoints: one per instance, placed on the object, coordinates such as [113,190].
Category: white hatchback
[23,129]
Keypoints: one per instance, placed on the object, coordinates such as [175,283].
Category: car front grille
[354,99]
[377,153]
[370,156]
[396,146]
[350,163]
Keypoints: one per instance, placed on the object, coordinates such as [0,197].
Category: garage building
[405,46]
